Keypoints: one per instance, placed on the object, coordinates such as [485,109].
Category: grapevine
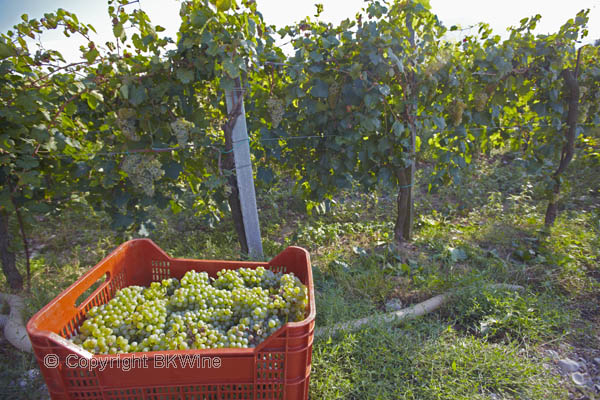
[239,308]
[381,85]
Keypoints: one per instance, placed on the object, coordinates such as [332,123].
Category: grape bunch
[275,107]
[437,63]
[334,92]
[456,112]
[481,100]
[143,170]
[126,122]
[181,128]
[583,113]
[238,308]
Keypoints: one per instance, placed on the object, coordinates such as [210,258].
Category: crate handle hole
[85,295]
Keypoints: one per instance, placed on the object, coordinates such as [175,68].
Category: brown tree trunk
[9,267]
[568,149]
[403,226]
[236,212]
[406,180]
[234,203]
[229,167]
[410,203]
[25,244]
[406,177]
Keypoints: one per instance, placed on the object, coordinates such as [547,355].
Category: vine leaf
[185,75]
[138,95]
[320,89]
[266,175]
[6,51]
[124,91]
[398,128]
[396,60]
[173,169]
[231,69]
[91,55]
[118,31]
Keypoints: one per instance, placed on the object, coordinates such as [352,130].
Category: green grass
[487,230]
[425,360]
[500,315]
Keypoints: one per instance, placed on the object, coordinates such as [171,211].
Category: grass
[485,344]
[498,315]
[426,360]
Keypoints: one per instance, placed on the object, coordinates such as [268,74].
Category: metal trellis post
[243,170]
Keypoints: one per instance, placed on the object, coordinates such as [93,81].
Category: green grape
[143,170]
[334,91]
[126,122]
[481,100]
[239,309]
[276,110]
[182,128]
[583,113]
[456,112]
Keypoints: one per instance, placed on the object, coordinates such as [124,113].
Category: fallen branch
[414,311]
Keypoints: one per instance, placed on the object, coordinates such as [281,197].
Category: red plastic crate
[278,368]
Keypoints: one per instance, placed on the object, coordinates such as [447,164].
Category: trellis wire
[278,138]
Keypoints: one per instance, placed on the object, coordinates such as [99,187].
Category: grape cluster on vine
[332,97]
[239,308]
[143,170]
[181,128]
[127,123]
[584,105]
[437,63]
[481,100]
[456,112]
[276,110]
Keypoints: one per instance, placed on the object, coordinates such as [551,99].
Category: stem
[568,149]
[13,277]
[23,237]
[403,206]
[56,70]
[62,107]
[25,245]
[413,161]
[406,177]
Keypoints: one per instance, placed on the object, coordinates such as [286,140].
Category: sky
[499,14]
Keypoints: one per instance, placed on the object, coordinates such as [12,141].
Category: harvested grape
[238,308]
